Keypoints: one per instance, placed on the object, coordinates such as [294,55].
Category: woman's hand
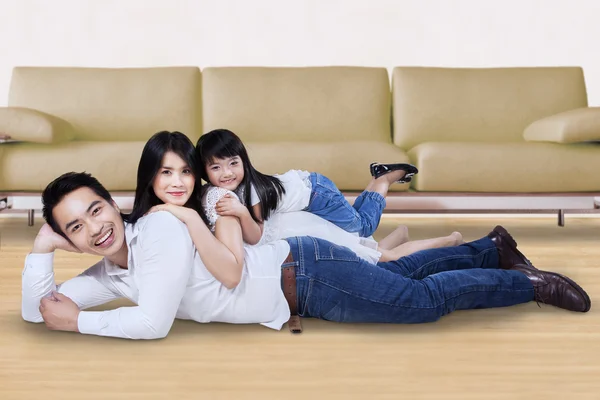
[230,206]
[184,214]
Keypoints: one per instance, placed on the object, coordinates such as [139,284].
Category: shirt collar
[131,232]
[112,269]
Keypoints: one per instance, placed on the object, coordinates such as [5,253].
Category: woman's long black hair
[222,143]
[150,163]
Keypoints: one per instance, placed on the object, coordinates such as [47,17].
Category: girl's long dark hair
[222,143]
[151,161]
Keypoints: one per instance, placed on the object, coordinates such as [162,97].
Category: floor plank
[523,352]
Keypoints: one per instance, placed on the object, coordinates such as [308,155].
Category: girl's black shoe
[378,170]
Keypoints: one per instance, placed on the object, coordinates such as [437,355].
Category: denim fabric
[334,284]
[329,203]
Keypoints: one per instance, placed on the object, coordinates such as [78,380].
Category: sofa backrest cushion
[114,104]
[322,104]
[479,104]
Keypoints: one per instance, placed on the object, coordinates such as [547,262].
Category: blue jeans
[329,203]
[334,284]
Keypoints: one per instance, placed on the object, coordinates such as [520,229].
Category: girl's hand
[230,206]
[184,214]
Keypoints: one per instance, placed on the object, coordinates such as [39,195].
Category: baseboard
[409,202]
[413,202]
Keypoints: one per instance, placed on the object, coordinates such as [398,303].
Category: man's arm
[86,290]
[162,275]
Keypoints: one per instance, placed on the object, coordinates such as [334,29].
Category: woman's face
[174,181]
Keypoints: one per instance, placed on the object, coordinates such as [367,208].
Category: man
[155,265]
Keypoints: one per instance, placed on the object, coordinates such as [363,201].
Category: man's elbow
[151,330]
[32,317]
[158,332]
[158,335]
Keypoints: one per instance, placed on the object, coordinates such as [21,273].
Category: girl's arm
[251,230]
[222,255]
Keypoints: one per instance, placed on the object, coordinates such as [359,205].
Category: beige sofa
[498,132]
[465,129]
[105,117]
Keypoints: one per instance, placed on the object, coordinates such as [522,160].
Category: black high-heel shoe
[378,170]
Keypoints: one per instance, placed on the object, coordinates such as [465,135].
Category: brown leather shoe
[507,249]
[556,289]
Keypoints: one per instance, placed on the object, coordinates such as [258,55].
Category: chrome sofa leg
[561,217]
[30,217]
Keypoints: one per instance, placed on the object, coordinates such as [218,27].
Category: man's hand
[231,207]
[60,313]
[47,241]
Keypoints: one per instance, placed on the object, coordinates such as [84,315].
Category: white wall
[468,33]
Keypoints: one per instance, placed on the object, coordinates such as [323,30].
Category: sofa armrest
[573,126]
[29,125]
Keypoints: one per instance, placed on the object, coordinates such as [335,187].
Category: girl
[237,189]
[228,170]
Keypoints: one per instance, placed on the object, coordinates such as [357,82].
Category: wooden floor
[523,352]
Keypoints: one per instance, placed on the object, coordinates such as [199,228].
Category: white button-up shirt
[167,279]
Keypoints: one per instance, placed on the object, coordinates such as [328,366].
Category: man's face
[91,223]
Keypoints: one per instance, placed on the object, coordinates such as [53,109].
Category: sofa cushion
[486,105]
[113,104]
[345,163]
[506,167]
[574,126]
[31,166]
[323,104]
[115,164]
[27,125]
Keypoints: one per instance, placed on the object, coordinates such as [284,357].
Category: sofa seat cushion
[506,167]
[345,163]
[30,166]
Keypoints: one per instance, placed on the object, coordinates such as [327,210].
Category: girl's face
[226,173]
[174,182]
